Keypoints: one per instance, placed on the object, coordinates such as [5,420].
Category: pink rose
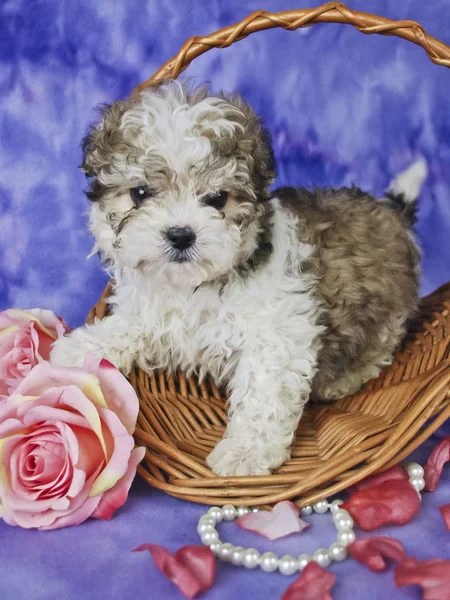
[66,445]
[26,338]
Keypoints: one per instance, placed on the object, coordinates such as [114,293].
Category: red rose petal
[432,575]
[435,463]
[191,568]
[373,551]
[201,561]
[313,584]
[394,501]
[393,473]
[445,512]
[282,520]
[106,364]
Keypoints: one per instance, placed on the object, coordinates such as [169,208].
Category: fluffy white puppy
[278,296]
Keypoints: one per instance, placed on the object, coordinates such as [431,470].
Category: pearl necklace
[287,564]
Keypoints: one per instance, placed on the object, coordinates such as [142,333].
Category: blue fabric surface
[342,107]
[93,561]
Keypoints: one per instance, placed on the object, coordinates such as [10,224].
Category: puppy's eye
[140,193]
[217,201]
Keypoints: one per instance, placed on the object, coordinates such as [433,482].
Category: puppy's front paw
[236,456]
[68,352]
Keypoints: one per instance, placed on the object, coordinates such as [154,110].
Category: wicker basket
[180,420]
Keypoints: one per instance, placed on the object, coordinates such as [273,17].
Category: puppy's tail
[404,190]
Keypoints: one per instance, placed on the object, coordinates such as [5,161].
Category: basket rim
[426,408]
[202,488]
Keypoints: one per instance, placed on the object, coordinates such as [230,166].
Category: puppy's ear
[87,148]
[264,167]
[256,143]
[101,139]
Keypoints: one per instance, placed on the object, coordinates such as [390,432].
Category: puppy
[279,296]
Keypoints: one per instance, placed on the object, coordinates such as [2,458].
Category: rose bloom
[66,445]
[26,337]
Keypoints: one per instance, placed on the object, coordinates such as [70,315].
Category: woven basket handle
[331,12]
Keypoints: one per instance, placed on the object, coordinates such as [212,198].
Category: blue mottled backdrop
[342,108]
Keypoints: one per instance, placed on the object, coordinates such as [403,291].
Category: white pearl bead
[237,556]
[414,470]
[225,552]
[288,565]
[269,562]
[418,483]
[334,506]
[342,521]
[209,537]
[303,560]
[340,513]
[306,511]
[204,527]
[208,529]
[229,512]
[322,557]
[321,507]
[242,510]
[216,513]
[251,558]
[215,548]
[207,520]
[338,552]
[345,537]
[255,509]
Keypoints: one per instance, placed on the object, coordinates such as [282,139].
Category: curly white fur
[259,335]
[256,330]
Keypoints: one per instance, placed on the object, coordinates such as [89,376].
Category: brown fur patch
[365,263]
[248,143]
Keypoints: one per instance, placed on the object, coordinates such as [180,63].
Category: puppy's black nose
[181,238]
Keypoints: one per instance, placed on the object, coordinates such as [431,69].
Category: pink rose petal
[46,318]
[282,520]
[432,575]
[77,508]
[42,341]
[435,463]
[394,501]
[86,450]
[118,454]
[45,376]
[372,552]
[119,393]
[62,451]
[99,380]
[313,584]
[40,494]
[76,515]
[15,317]
[9,426]
[445,512]
[53,323]
[118,494]
[26,338]
[61,514]
[78,482]
[77,409]
[5,333]
[191,568]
